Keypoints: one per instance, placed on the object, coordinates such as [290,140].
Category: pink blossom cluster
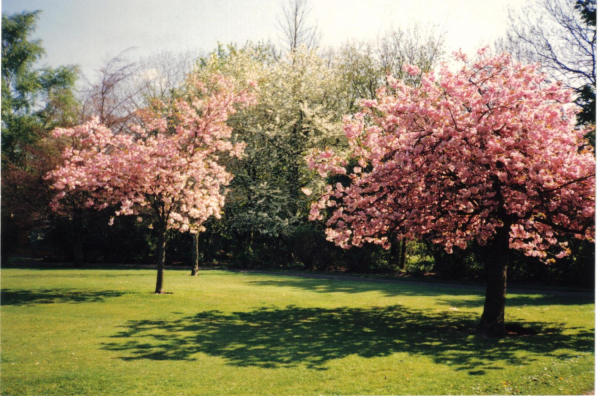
[169,165]
[491,147]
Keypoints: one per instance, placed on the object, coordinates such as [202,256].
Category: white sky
[89,32]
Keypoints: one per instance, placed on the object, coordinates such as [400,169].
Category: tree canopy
[33,99]
[169,165]
[490,153]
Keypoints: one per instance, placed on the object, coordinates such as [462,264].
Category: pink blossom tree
[167,168]
[488,154]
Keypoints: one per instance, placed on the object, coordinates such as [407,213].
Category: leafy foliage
[485,150]
[168,169]
[33,100]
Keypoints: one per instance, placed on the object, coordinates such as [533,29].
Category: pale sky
[88,33]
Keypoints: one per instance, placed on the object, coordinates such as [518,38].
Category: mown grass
[68,331]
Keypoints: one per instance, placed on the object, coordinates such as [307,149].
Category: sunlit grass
[104,332]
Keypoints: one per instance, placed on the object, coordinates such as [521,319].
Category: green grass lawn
[68,331]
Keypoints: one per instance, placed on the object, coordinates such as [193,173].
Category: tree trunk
[8,235]
[195,255]
[78,240]
[403,255]
[78,248]
[492,320]
[394,251]
[162,247]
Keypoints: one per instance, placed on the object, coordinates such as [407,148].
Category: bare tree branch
[295,26]
[418,45]
[554,34]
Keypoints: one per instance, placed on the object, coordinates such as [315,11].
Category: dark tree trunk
[394,252]
[403,255]
[496,256]
[195,255]
[78,248]
[162,247]
[78,239]
[8,234]
[438,259]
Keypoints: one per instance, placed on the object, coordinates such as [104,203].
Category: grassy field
[67,331]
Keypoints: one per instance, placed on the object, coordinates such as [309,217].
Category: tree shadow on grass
[362,286]
[518,300]
[452,293]
[293,336]
[54,296]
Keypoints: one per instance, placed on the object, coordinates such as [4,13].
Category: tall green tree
[300,108]
[34,99]
[303,96]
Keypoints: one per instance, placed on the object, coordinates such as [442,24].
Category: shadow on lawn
[54,296]
[519,300]
[362,286]
[398,289]
[273,338]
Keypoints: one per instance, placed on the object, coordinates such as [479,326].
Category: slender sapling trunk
[78,239]
[195,254]
[403,255]
[162,247]
[394,252]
